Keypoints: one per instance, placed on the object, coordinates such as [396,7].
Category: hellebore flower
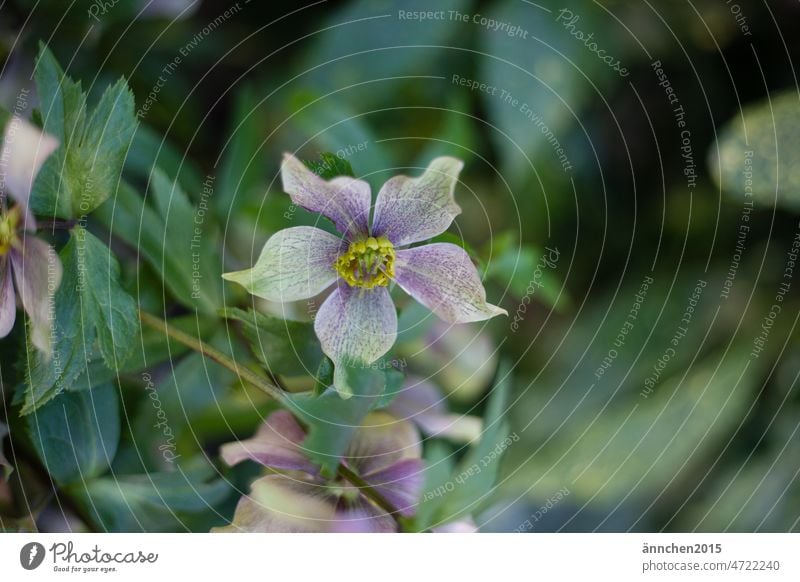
[423,404]
[384,452]
[35,265]
[357,323]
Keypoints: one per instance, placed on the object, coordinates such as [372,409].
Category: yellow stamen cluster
[368,263]
[8,230]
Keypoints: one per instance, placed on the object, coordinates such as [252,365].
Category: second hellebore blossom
[357,323]
[35,265]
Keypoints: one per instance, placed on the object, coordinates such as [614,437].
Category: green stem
[272,390]
[209,351]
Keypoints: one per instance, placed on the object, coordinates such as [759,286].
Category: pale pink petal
[275,445]
[361,516]
[280,504]
[410,210]
[345,200]
[25,148]
[355,326]
[400,484]
[423,404]
[442,277]
[8,307]
[37,270]
[296,263]
[381,441]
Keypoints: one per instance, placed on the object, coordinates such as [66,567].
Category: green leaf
[438,472]
[176,239]
[476,474]
[181,500]
[611,456]
[242,175]
[528,271]
[330,166]
[76,434]
[764,142]
[368,49]
[332,420]
[283,346]
[86,168]
[94,318]
[332,126]
[149,150]
[542,82]
[451,493]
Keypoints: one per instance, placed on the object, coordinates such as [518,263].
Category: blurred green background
[572,171]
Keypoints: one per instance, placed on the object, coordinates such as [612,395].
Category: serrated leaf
[86,168]
[94,319]
[76,434]
[283,346]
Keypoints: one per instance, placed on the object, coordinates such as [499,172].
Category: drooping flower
[295,497]
[422,403]
[34,264]
[357,322]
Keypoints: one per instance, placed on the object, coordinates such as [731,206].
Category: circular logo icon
[31,555]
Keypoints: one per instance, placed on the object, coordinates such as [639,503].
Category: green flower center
[367,263]
[8,230]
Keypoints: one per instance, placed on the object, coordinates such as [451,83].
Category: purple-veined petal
[442,277]
[25,148]
[355,326]
[423,404]
[410,210]
[275,445]
[381,441]
[280,504]
[8,307]
[345,200]
[37,271]
[296,263]
[360,516]
[400,484]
